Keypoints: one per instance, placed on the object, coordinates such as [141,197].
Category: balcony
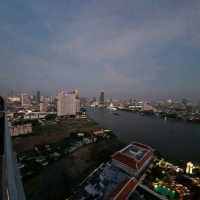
[11,187]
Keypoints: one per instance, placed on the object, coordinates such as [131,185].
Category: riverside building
[68,103]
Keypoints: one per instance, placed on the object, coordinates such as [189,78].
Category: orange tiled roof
[125,191]
[126,160]
[142,145]
[118,188]
[146,157]
[131,161]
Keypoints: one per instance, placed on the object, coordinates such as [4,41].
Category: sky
[128,48]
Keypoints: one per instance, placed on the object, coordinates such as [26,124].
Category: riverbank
[59,180]
[53,132]
[54,160]
[184,117]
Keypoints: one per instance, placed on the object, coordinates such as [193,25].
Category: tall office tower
[25,100]
[101,98]
[38,96]
[68,103]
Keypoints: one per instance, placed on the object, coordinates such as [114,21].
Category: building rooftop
[126,189]
[134,155]
[112,181]
[105,183]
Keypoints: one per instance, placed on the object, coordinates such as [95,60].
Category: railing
[11,184]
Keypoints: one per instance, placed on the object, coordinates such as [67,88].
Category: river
[177,140]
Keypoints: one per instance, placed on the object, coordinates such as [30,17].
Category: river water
[175,139]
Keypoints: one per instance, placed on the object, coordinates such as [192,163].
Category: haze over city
[127,48]
[99,99]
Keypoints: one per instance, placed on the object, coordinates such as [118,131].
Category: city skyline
[130,48]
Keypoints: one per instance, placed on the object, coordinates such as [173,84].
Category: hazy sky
[141,48]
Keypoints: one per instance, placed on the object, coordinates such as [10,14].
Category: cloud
[116,78]
[109,42]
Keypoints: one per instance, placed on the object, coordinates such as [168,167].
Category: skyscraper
[101,98]
[38,97]
[68,103]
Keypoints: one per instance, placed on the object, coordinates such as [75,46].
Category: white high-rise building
[68,103]
[25,100]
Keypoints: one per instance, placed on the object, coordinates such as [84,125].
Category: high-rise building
[101,98]
[25,100]
[38,97]
[68,103]
[76,92]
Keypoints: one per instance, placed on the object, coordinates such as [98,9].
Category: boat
[115,113]
[111,107]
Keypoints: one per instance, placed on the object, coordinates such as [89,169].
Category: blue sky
[127,48]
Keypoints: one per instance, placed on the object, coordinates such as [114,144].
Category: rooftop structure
[126,189]
[134,158]
[118,178]
[108,182]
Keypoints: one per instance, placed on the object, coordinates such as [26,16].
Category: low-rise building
[22,129]
[44,106]
[118,179]
[98,132]
[134,158]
